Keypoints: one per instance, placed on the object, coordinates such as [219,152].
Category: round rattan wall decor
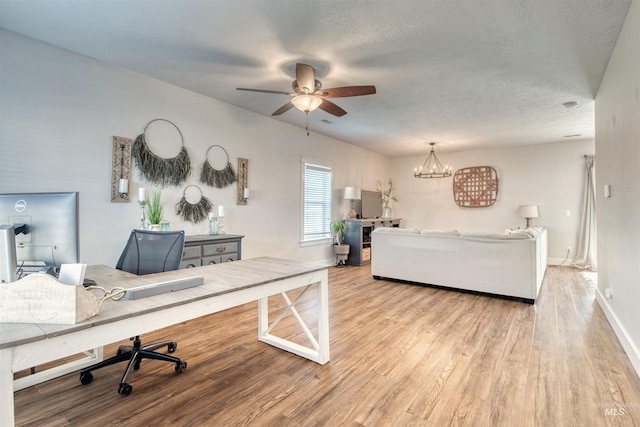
[475,187]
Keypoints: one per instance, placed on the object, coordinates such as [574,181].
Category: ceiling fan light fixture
[306,103]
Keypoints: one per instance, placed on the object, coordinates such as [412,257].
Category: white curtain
[586,254]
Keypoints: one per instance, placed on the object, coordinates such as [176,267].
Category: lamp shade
[351,193]
[528,211]
[306,103]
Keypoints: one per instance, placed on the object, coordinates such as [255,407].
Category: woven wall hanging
[218,178]
[193,212]
[155,169]
[475,187]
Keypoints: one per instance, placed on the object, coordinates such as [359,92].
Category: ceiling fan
[308,93]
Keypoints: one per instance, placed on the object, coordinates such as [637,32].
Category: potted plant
[154,210]
[341,251]
[387,196]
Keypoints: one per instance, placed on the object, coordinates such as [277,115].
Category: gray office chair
[146,252]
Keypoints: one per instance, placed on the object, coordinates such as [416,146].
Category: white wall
[617,159]
[548,175]
[60,110]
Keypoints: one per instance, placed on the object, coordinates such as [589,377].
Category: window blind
[317,202]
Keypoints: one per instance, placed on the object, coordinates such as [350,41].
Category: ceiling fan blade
[277,92]
[305,78]
[286,107]
[341,92]
[332,108]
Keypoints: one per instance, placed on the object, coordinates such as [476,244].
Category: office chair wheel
[86,378]
[171,348]
[181,366]
[125,389]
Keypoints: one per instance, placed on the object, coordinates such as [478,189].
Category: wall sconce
[243,181]
[528,212]
[120,169]
[352,194]
[123,185]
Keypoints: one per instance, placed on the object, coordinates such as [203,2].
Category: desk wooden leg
[319,350]
[6,385]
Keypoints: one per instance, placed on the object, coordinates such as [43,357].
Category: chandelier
[432,168]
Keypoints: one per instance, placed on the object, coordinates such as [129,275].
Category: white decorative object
[72,274]
[40,298]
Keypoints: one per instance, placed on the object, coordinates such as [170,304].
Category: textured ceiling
[464,73]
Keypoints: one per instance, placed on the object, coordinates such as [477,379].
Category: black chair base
[134,354]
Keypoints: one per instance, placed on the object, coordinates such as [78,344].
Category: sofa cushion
[531,232]
[513,235]
[440,232]
[517,235]
[481,234]
[396,230]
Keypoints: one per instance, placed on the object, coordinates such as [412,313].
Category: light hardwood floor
[401,355]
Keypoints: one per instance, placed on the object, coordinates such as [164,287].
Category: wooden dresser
[204,249]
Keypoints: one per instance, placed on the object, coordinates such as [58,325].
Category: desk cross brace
[291,308]
[319,350]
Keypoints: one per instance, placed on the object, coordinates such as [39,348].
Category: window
[316,201]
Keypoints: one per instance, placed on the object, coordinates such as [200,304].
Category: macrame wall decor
[475,187]
[218,178]
[193,212]
[173,171]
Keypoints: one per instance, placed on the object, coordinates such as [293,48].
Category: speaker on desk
[8,259]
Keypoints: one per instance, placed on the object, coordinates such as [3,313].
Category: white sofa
[511,264]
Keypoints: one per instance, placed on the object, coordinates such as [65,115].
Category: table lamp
[528,212]
[352,194]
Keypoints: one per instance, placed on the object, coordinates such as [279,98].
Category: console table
[225,285]
[204,249]
[358,237]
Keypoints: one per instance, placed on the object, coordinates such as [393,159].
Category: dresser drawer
[219,248]
[218,259]
[189,263]
[191,252]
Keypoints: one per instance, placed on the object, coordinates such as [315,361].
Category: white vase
[386,212]
[154,227]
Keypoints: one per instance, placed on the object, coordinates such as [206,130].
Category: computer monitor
[46,227]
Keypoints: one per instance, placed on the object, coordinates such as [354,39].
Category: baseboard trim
[567,262]
[627,344]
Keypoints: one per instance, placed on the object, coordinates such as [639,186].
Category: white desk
[225,285]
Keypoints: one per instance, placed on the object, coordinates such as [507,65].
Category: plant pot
[341,252]
[154,227]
